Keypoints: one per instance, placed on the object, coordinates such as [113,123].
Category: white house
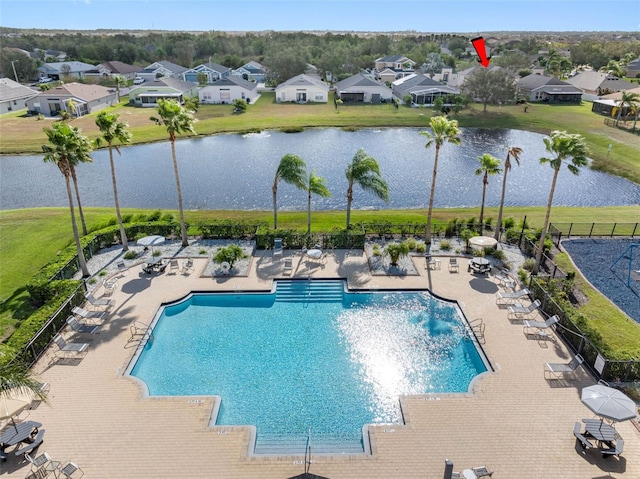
[148,93]
[76,98]
[162,69]
[302,89]
[213,72]
[57,70]
[227,90]
[14,96]
[361,88]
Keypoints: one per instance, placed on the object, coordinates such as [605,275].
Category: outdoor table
[469,474]
[480,265]
[314,253]
[154,264]
[15,434]
[600,430]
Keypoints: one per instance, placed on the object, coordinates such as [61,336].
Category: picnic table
[17,433]
[600,430]
[154,264]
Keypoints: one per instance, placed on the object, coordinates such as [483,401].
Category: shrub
[103,272]
[395,251]
[376,249]
[522,275]
[445,245]
[496,253]
[529,264]
[154,216]
[156,253]
[127,218]
[167,217]
[240,105]
[202,251]
[421,247]
[130,255]
[508,223]
[230,254]
[411,243]
[466,234]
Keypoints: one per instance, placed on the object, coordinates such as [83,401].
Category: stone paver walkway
[512,419]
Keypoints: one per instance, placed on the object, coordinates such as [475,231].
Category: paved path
[512,420]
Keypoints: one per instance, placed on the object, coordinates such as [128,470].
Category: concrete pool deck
[513,420]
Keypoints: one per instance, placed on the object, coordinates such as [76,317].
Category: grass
[21,134]
[620,335]
[22,252]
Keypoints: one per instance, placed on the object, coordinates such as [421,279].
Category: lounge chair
[110,285]
[482,471]
[504,297]
[558,370]
[518,311]
[187,265]
[98,302]
[577,432]
[173,266]
[288,264]
[277,247]
[74,348]
[616,451]
[122,268]
[538,328]
[453,265]
[82,328]
[71,470]
[84,314]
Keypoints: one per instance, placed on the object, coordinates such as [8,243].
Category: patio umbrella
[609,403]
[11,406]
[152,240]
[483,241]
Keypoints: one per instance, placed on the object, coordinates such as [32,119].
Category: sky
[294,15]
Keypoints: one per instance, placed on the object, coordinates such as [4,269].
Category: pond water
[234,171]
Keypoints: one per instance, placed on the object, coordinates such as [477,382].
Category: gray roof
[212,66]
[360,80]
[591,81]
[393,58]
[172,67]
[120,67]
[235,80]
[10,90]
[304,80]
[421,83]
[566,89]
[175,83]
[74,67]
[535,82]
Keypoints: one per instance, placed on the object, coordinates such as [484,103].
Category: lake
[234,171]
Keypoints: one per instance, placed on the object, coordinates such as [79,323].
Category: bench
[32,445]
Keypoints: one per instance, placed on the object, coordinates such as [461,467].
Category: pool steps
[306,290]
[286,445]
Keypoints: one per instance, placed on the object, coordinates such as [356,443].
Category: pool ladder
[307,454]
[478,326]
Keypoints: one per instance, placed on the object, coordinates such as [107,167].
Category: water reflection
[236,172]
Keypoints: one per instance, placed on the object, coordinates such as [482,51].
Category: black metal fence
[630,125]
[558,231]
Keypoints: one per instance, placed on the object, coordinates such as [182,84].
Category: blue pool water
[309,356]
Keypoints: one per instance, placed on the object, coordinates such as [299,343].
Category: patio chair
[538,328]
[558,370]
[84,314]
[504,297]
[110,285]
[288,264]
[187,265]
[453,265]
[518,311]
[107,303]
[71,470]
[42,465]
[173,266]
[615,451]
[577,432]
[73,348]
[277,247]
[82,328]
[122,268]
[482,471]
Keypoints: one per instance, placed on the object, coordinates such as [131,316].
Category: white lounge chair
[187,265]
[558,370]
[84,314]
[80,328]
[173,266]
[73,348]
[505,297]
[518,311]
[98,302]
[538,328]
[277,247]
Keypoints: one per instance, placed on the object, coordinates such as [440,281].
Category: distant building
[13,95]
[76,98]
[543,88]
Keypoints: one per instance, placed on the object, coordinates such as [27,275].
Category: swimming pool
[309,357]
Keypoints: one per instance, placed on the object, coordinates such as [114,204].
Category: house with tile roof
[302,89]
[162,69]
[362,88]
[76,98]
[392,67]
[58,70]
[423,90]
[229,89]
[213,72]
[148,93]
[13,95]
[113,68]
[596,84]
[543,88]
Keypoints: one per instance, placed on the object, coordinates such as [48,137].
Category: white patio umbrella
[11,406]
[609,403]
[483,241]
[152,240]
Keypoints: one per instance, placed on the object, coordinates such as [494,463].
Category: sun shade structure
[483,241]
[609,403]
[153,240]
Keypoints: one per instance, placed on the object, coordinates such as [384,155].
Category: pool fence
[560,231]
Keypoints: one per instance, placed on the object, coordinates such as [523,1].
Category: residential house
[113,68]
[401,65]
[362,88]
[213,72]
[302,89]
[543,88]
[252,71]
[58,70]
[608,105]
[456,80]
[596,84]
[148,93]
[633,68]
[77,98]
[162,69]
[229,89]
[13,95]
[48,55]
[423,90]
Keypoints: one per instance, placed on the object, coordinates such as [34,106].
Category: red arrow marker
[481,50]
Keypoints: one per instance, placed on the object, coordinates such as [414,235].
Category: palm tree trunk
[76,236]
[123,234]
[504,188]
[274,191]
[309,213]
[183,227]
[546,222]
[349,200]
[433,189]
[484,191]
[75,185]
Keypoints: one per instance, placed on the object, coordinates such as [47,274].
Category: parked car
[44,80]
[138,81]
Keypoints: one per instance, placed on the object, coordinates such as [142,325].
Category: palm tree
[113,129]
[67,144]
[118,81]
[315,184]
[175,119]
[489,165]
[629,99]
[73,161]
[16,378]
[293,170]
[443,130]
[515,152]
[364,170]
[564,146]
